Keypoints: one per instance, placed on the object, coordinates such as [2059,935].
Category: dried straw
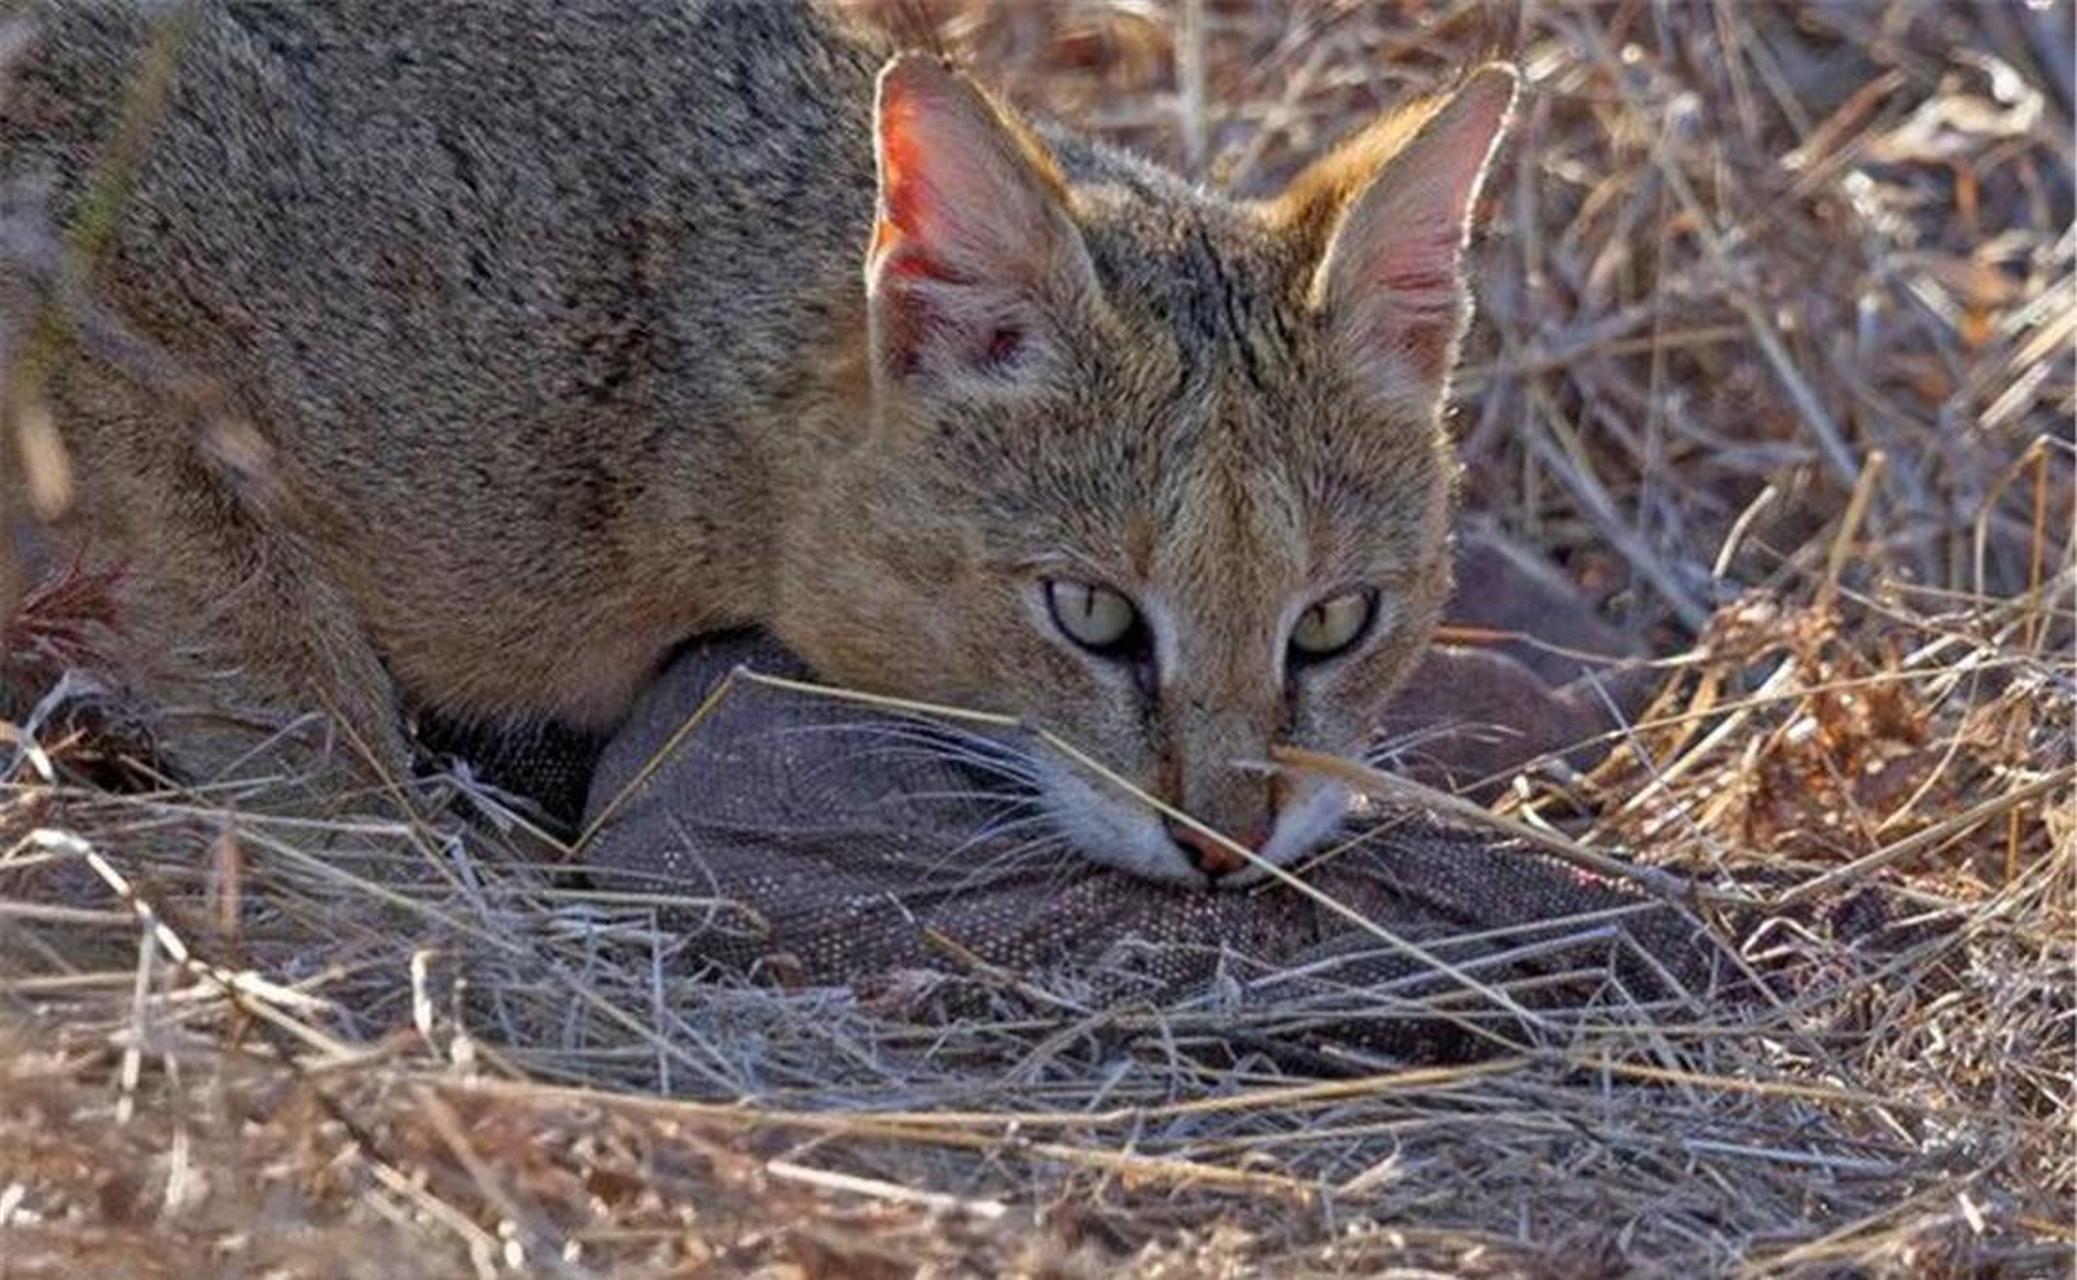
[1742,252]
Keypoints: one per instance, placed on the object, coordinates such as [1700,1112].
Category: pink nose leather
[1211,857]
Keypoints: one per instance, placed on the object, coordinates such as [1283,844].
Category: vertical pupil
[1095,617]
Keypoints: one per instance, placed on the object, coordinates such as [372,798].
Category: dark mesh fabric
[550,765]
[818,840]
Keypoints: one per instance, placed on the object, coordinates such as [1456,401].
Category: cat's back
[478,211]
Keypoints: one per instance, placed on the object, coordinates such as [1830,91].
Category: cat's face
[1160,473]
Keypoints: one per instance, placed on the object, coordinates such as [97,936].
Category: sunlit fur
[767,337]
[1186,420]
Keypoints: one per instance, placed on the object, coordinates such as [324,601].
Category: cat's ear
[1386,217]
[974,258]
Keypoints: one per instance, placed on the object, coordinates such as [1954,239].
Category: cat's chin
[1304,828]
[1122,834]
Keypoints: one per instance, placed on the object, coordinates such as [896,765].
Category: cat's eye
[1331,626]
[1097,618]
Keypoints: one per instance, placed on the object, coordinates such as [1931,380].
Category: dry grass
[1776,355]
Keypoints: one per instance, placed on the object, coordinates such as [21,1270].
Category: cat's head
[1160,471]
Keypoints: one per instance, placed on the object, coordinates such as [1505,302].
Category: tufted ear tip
[1492,86]
[913,82]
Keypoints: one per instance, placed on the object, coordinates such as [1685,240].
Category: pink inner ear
[902,189]
[1417,254]
[1415,294]
[1396,282]
[962,229]
[907,268]
[951,192]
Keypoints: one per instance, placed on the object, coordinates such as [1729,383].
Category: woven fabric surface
[806,838]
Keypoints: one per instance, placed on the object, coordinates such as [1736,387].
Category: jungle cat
[569,329]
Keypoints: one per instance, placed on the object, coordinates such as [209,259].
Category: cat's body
[560,327]
[400,237]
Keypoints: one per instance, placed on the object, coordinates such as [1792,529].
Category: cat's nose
[1211,857]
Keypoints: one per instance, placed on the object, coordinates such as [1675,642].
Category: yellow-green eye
[1097,618]
[1331,626]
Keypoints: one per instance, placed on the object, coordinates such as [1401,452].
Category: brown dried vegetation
[1775,355]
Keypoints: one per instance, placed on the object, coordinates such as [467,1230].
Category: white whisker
[993,830]
[1008,860]
[929,740]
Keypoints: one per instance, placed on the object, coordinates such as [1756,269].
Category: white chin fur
[1117,831]
[1303,827]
